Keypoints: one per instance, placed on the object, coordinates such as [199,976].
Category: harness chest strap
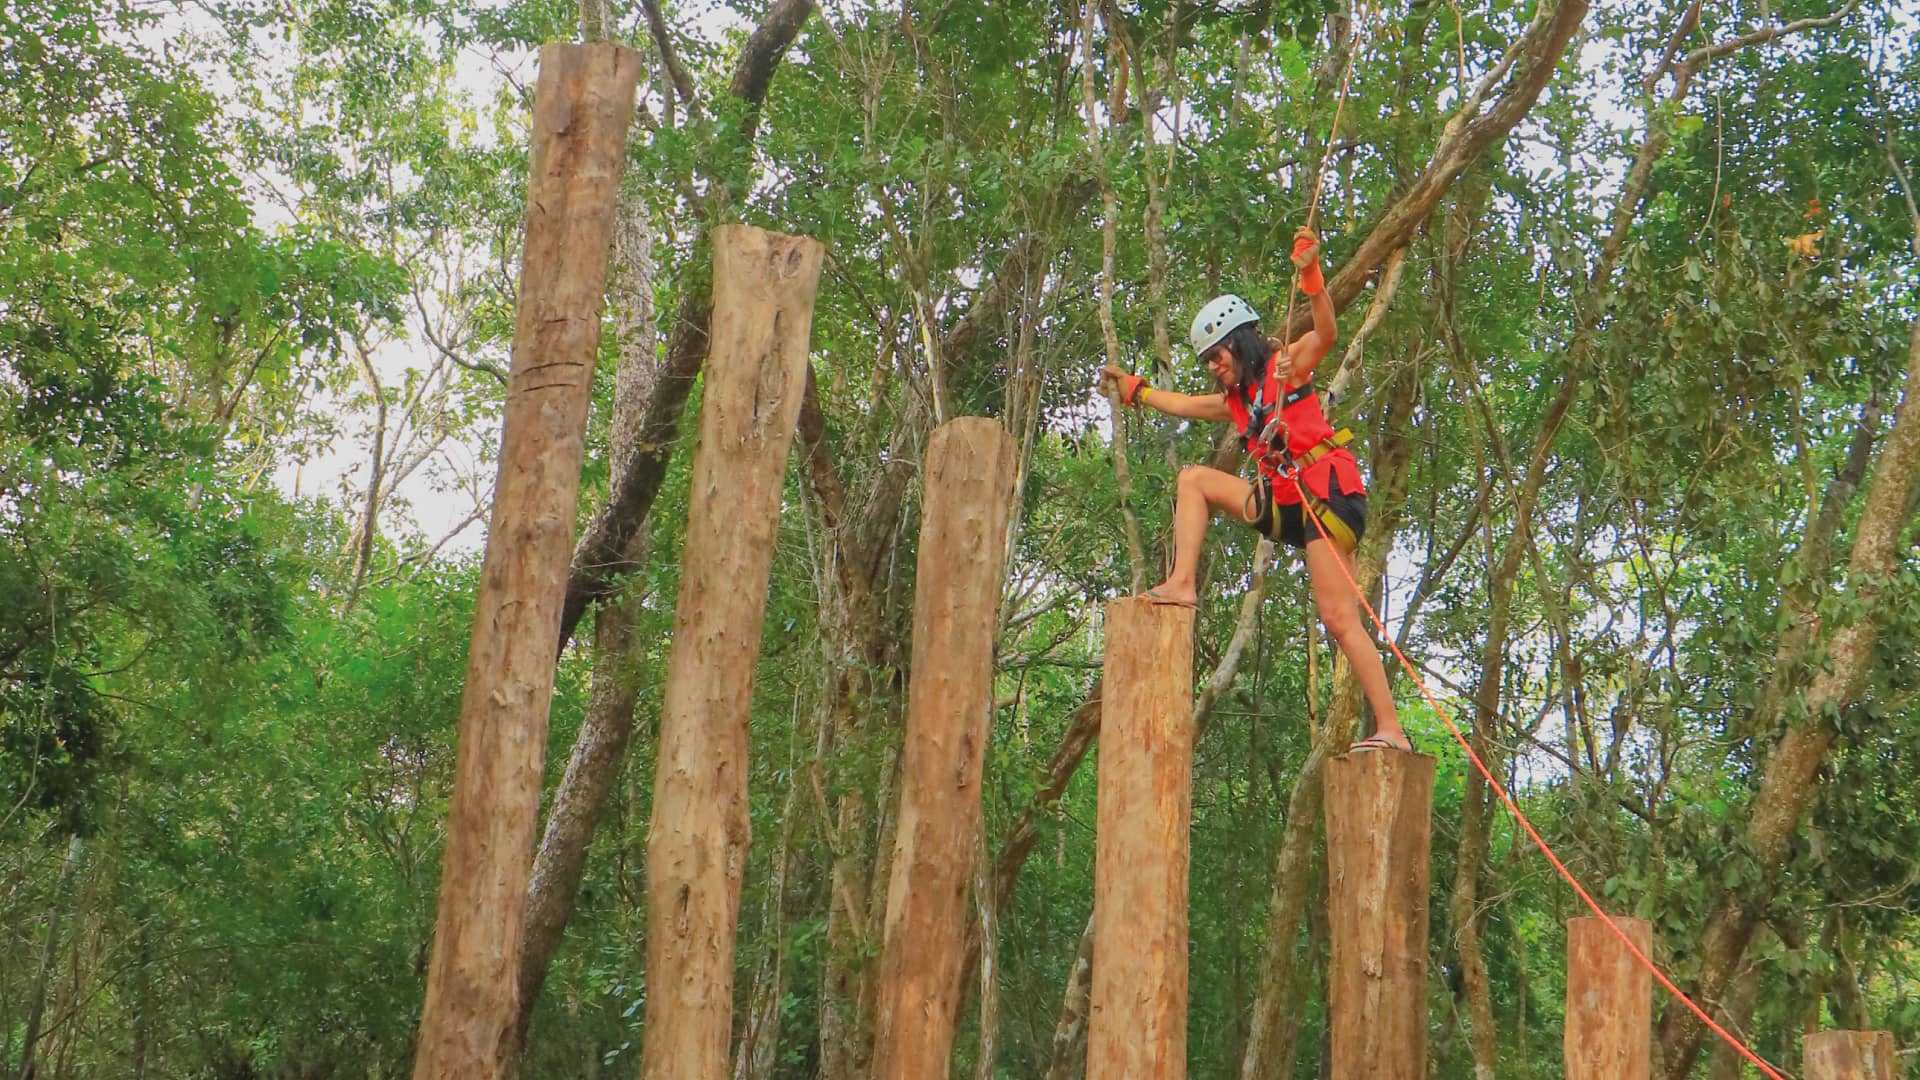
[1314,453]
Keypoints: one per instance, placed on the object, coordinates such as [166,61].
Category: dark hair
[1251,350]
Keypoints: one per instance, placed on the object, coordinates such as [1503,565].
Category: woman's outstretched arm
[1211,407]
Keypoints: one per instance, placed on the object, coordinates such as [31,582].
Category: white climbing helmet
[1219,317]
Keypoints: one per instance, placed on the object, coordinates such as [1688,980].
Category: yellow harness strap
[1337,529]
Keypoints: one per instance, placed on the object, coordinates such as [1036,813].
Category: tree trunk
[1848,1000]
[1609,1033]
[581,798]
[969,484]
[1068,1057]
[1736,1015]
[37,997]
[1138,1023]
[1379,831]
[582,106]
[984,1064]
[759,1043]
[764,288]
[367,526]
[1787,785]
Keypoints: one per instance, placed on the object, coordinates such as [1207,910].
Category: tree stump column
[963,533]
[1379,813]
[1137,1029]
[582,106]
[1850,1055]
[1609,1029]
[763,291]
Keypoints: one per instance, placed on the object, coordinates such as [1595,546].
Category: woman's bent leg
[1202,491]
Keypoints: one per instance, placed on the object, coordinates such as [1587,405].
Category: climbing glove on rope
[1306,259]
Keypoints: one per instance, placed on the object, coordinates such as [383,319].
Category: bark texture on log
[969,489]
[1138,1023]
[1609,1032]
[1850,1055]
[764,288]
[1379,828]
[582,107]
[1067,1059]
[580,798]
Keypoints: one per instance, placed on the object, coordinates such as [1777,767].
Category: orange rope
[1513,807]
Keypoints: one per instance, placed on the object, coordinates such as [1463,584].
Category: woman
[1267,393]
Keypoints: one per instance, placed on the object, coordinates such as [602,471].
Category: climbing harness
[1533,834]
[1267,421]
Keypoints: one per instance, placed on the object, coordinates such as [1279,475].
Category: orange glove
[1312,281]
[1130,387]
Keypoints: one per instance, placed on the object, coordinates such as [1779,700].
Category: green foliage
[214,220]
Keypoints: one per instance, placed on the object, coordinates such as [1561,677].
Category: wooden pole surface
[1850,1055]
[582,106]
[963,528]
[1609,1029]
[1379,810]
[1137,1029]
[763,291]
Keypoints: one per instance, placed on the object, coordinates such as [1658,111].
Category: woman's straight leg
[1340,612]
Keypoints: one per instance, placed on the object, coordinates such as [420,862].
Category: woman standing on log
[1267,393]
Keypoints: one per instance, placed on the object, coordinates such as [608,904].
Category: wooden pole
[763,291]
[1379,810]
[1850,1055]
[581,109]
[1609,1029]
[1138,1026]
[963,528]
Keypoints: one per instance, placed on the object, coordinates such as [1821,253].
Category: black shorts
[1289,525]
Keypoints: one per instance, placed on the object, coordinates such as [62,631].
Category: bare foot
[1173,595]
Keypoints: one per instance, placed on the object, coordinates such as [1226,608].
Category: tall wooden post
[963,527]
[1609,1029]
[1137,1029]
[763,291]
[1850,1055]
[1379,812]
[581,109]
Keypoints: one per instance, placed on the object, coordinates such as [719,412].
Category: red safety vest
[1306,427]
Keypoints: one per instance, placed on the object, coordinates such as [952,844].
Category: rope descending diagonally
[1513,807]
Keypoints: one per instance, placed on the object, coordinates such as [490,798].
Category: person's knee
[1342,620]
[1193,478]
